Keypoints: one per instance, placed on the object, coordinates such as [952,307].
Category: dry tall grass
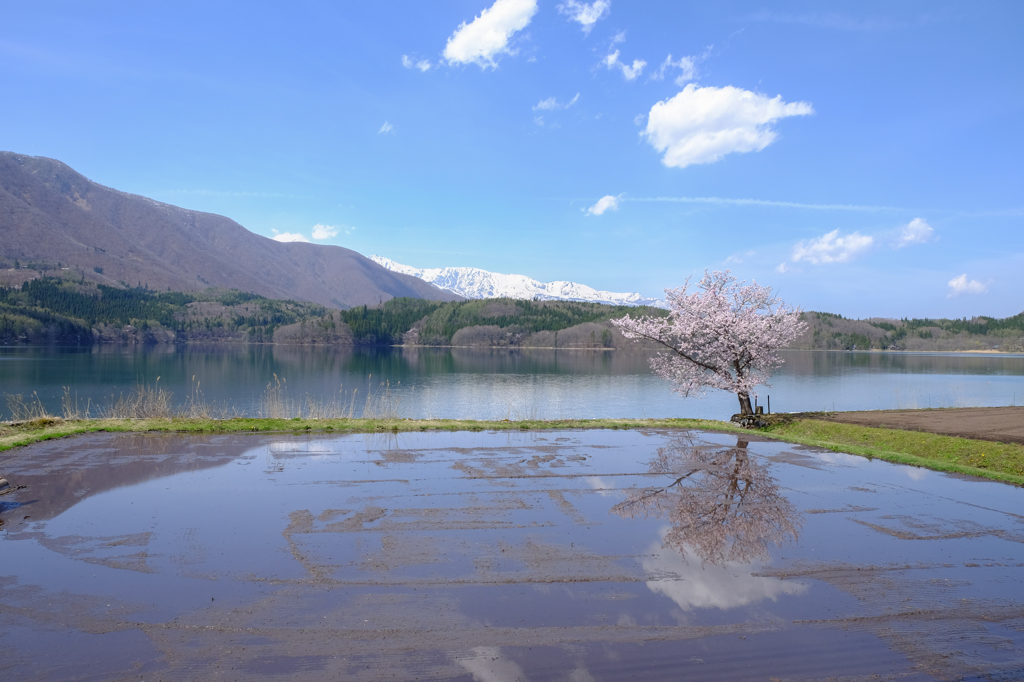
[145,402]
[25,410]
[277,403]
[381,403]
[154,402]
[71,407]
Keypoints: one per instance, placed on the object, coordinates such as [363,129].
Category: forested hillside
[827,331]
[60,311]
[66,311]
[500,322]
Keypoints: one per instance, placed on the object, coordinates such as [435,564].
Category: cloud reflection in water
[724,509]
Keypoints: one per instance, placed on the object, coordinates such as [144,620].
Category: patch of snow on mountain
[477,283]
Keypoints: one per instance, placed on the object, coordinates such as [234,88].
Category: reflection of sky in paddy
[695,584]
[496,556]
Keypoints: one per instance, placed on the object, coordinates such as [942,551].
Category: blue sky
[861,158]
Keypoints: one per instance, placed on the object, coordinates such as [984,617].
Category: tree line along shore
[65,311]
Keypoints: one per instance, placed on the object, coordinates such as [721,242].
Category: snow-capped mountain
[477,283]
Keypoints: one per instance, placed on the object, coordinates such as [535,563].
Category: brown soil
[1001,424]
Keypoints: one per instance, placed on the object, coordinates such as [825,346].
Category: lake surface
[501,557]
[503,384]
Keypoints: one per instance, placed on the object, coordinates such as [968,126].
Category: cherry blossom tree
[725,335]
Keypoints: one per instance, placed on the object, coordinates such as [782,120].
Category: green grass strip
[996,461]
[987,459]
[25,433]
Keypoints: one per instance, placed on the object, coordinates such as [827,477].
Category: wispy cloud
[414,63]
[962,285]
[832,248]
[701,125]
[836,248]
[739,257]
[917,231]
[324,231]
[288,237]
[629,72]
[605,203]
[586,14]
[386,128]
[687,69]
[487,36]
[551,104]
[765,202]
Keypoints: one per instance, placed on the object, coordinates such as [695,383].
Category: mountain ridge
[58,219]
[477,283]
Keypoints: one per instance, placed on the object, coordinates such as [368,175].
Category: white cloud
[539,120]
[586,14]
[782,268]
[288,237]
[413,63]
[601,486]
[962,285]
[699,585]
[551,104]
[386,128]
[605,203]
[687,69]
[324,231]
[917,231]
[488,35]
[628,72]
[488,664]
[701,125]
[831,248]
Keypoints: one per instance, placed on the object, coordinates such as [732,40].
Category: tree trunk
[745,407]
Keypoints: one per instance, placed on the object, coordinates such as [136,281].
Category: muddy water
[589,555]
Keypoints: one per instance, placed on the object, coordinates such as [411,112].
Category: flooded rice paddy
[573,556]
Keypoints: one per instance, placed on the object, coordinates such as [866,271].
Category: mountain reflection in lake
[721,505]
[470,383]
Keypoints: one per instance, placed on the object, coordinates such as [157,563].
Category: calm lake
[502,384]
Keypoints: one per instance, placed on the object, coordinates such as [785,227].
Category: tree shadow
[721,505]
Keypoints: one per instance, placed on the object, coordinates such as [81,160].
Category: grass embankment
[15,434]
[997,461]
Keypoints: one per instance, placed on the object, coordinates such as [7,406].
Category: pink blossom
[726,335]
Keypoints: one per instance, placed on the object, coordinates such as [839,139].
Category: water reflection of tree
[721,505]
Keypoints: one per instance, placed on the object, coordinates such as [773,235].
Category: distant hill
[67,311]
[827,331]
[477,283]
[54,220]
[51,310]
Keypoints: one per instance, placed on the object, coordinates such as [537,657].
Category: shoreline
[986,459]
[325,346]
